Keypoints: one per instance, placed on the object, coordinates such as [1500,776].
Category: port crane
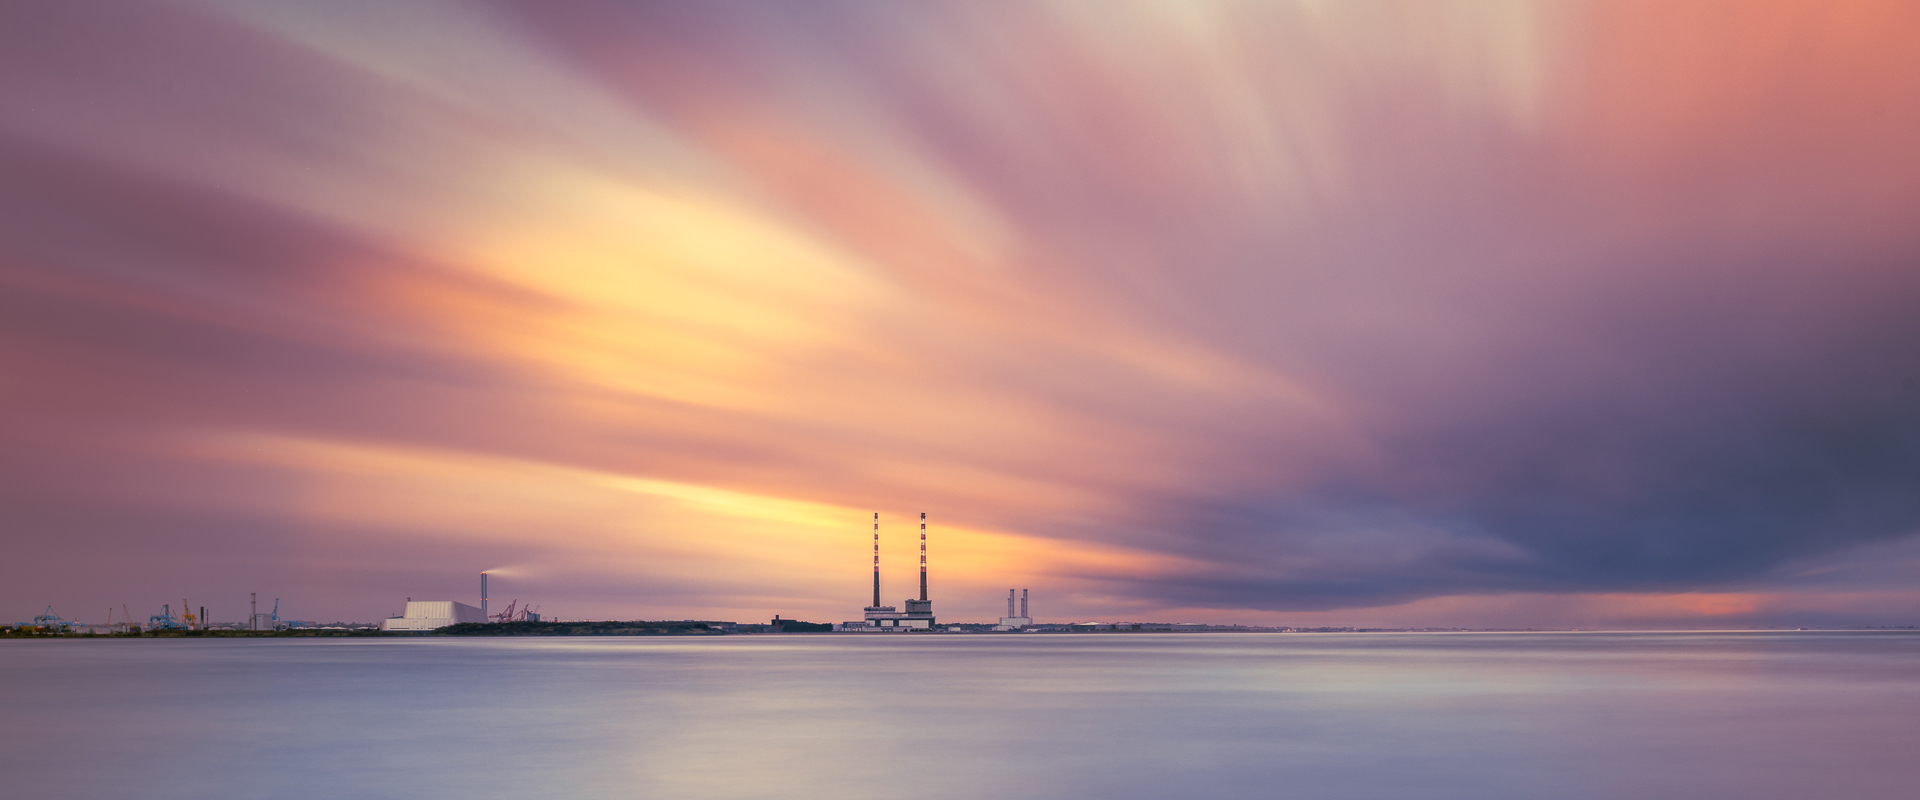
[164,621]
[186,612]
[52,623]
[515,613]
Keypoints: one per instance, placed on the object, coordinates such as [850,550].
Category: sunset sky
[1326,313]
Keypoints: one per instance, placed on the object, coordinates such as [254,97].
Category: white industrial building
[426,615]
[1011,622]
[885,619]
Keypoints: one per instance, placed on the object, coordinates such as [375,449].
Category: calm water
[1584,715]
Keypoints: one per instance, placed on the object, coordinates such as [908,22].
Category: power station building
[888,619]
[426,615]
[1011,622]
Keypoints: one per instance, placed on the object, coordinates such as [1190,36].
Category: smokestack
[876,559]
[923,556]
[1023,604]
[483,597]
[253,611]
[1009,602]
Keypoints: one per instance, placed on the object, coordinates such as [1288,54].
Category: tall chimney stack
[483,597]
[1023,604]
[923,556]
[253,611]
[1009,602]
[876,559]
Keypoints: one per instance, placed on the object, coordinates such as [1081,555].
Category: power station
[888,619]
[1011,622]
[426,615]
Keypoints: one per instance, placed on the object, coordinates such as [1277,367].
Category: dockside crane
[164,621]
[52,623]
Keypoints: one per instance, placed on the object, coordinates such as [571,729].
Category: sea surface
[931,717]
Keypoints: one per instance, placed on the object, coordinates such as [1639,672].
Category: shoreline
[643,629]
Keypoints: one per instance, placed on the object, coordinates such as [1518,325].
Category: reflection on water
[1578,715]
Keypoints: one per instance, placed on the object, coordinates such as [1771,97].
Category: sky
[1364,313]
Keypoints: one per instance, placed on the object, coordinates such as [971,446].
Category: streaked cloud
[1512,312]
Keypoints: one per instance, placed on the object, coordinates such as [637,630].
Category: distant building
[1011,622]
[426,615]
[919,615]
